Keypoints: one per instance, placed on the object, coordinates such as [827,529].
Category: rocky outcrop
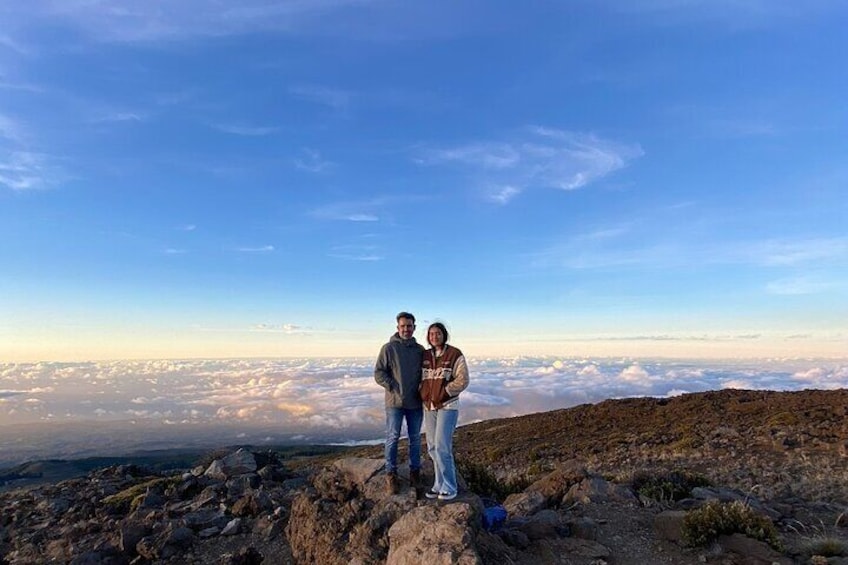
[128,514]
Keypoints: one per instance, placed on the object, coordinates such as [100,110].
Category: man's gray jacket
[398,370]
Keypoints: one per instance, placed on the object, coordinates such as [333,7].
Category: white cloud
[333,98]
[799,251]
[10,129]
[259,249]
[163,20]
[311,161]
[120,116]
[798,285]
[246,130]
[23,170]
[309,397]
[538,158]
[634,374]
[503,194]
[366,211]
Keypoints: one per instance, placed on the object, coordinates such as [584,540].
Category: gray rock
[444,534]
[543,524]
[525,503]
[239,463]
[669,524]
[753,551]
[232,528]
[358,469]
[596,489]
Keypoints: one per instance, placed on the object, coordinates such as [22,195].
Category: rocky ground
[610,483]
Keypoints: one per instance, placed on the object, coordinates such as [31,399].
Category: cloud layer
[317,399]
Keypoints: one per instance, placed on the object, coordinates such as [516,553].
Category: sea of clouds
[100,408]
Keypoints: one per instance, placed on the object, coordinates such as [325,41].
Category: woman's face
[435,337]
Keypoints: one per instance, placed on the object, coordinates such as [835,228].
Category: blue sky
[225,179]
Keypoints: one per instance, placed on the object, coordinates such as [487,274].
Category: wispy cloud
[538,158]
[11,129]
[604,248]
[7,42]
[364,211]
[799,285]
[23,170]
[162,20]
[788,252]
[120,116]
[246,130]
[258,249]
[311,161]
[333,98]
[288,329]
[352,252]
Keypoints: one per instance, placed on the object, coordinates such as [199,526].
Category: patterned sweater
[443,377]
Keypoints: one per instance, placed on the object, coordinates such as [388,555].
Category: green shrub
[827,547]
[703,525]
[129,498]
[667,487]
[482,482]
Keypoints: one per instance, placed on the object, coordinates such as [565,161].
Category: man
[398,370]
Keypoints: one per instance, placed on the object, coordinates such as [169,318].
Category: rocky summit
[729,477]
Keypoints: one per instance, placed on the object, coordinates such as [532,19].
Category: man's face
[406,328]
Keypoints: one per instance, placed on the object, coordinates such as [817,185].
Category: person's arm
[460,377]
[382,370]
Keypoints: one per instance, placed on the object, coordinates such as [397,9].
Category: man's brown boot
[392,483]
[414,478]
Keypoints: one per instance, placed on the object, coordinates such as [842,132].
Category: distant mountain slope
[779,443]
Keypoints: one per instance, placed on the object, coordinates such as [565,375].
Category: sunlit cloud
[634,374]
[315,397]
[280,328]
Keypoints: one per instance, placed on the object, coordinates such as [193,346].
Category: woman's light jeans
[439,426]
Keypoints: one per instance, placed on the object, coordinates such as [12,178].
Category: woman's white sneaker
[446,496]
[432,494]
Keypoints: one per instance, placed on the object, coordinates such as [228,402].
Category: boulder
[443,533]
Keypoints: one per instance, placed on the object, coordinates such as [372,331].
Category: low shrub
[667,487]
[827,547]
[703,525]
[482,482]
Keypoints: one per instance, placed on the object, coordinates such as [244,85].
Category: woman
[444,376]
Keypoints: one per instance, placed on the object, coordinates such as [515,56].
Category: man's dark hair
[406,315]
[441,327]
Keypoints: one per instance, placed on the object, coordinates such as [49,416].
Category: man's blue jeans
[394,420]
[440,425]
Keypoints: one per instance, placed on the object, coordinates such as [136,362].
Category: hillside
[782,443]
